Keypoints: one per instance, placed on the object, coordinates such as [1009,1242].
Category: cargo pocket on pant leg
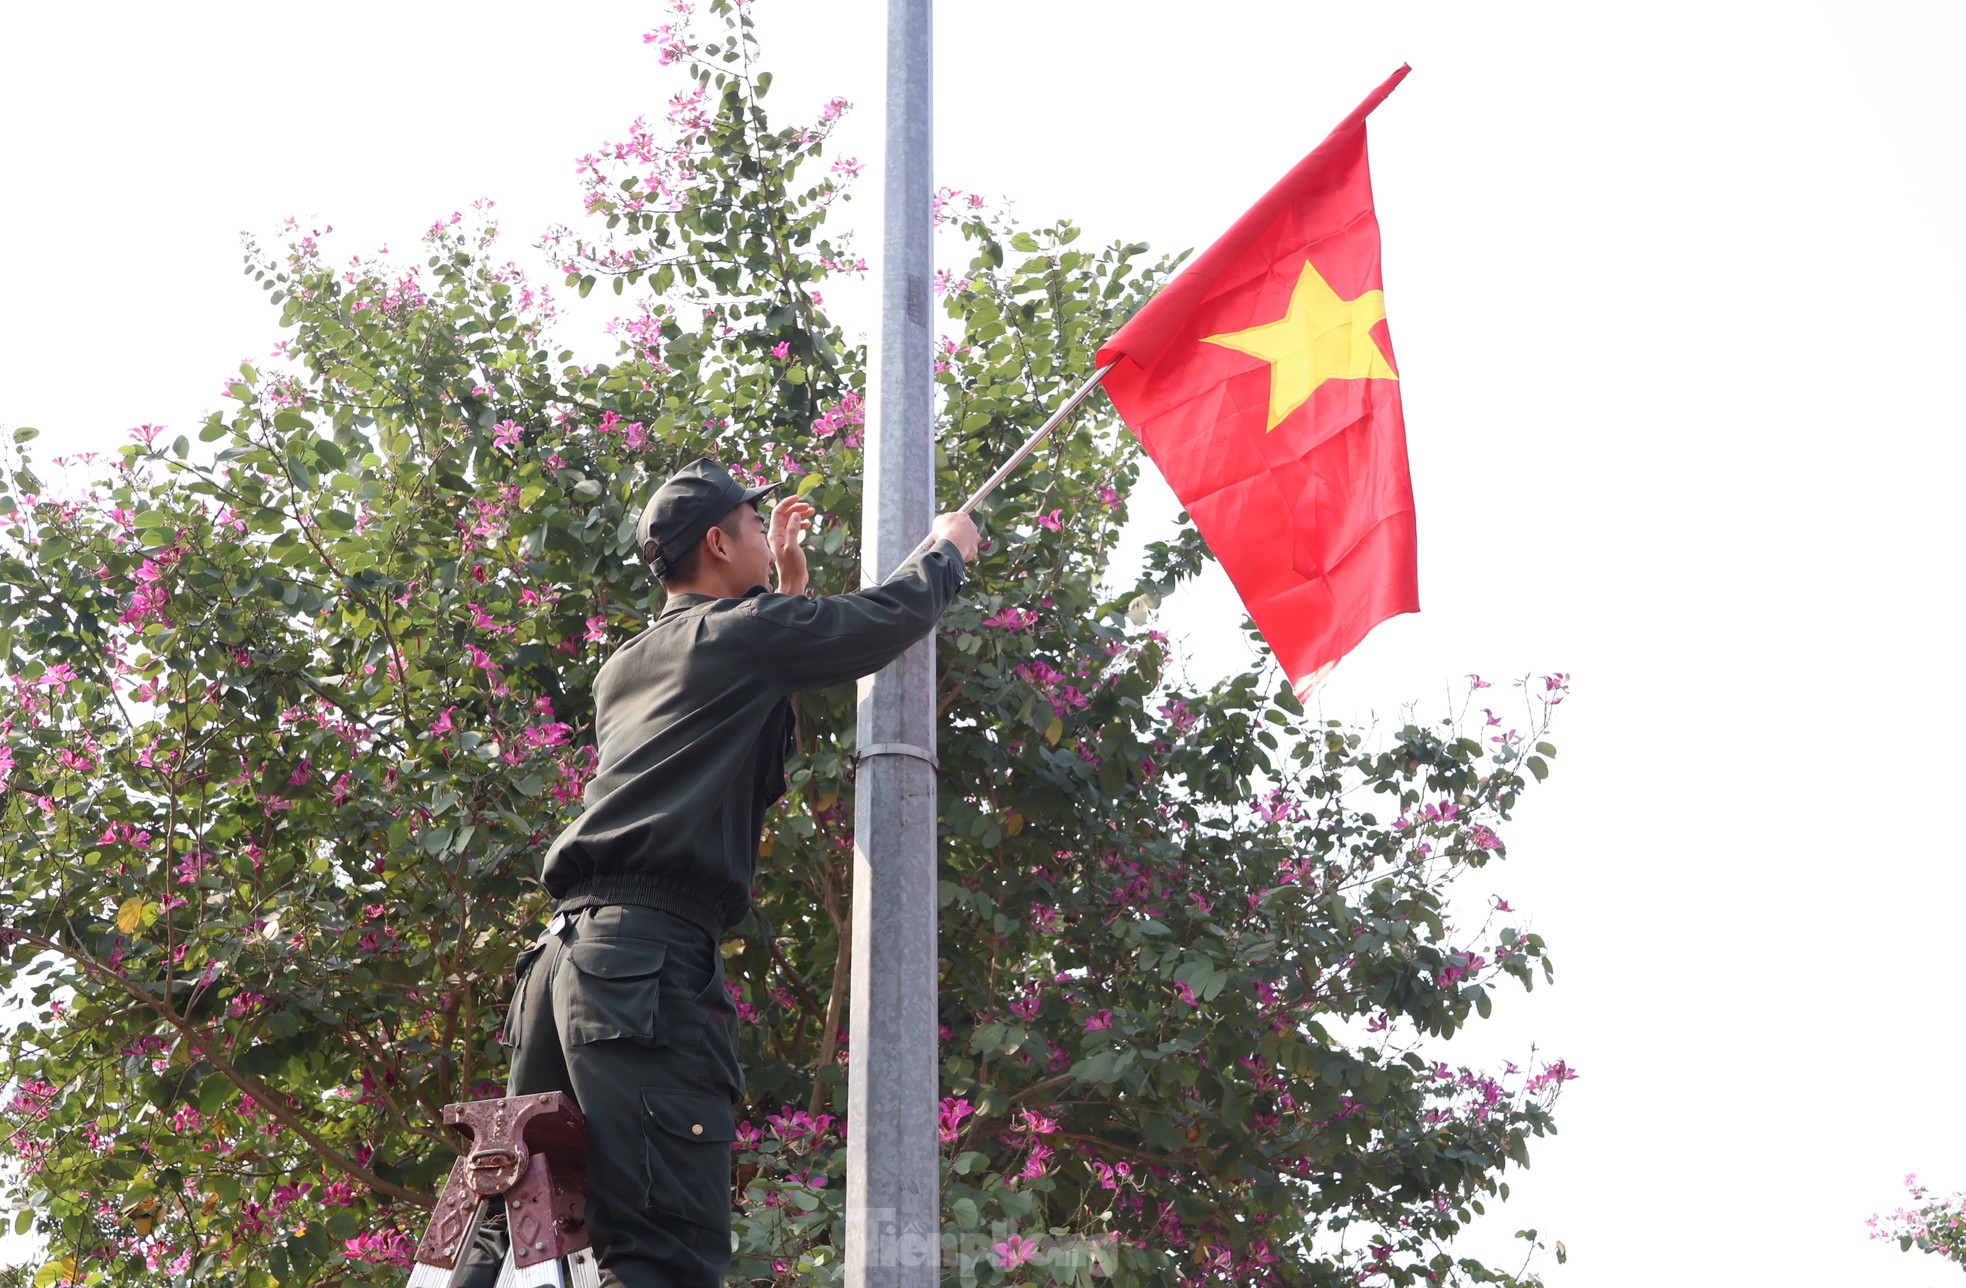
[689,1139]
[617,990]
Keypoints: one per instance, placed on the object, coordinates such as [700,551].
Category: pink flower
[846,415]
[1051,522]
[1275,807]
[551,733]
[506,433]
[669,43]
[1014,1252]
[1099,1020]
[781,349]
[1037,1124]
[32,1099]
[799,1130]
[1012,619]
[389,1247]
[1560,1073]
[950,1120]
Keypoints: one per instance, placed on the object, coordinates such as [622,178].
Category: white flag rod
[1056,419]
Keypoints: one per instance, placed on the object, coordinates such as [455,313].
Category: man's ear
[718,543]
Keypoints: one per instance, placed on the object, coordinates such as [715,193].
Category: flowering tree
[1931,1223]
[288,719]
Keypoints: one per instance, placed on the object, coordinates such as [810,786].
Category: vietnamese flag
[1261,381]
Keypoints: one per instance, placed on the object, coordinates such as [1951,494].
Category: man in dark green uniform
[621,1003]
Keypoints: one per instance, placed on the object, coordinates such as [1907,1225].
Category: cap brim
[753,493]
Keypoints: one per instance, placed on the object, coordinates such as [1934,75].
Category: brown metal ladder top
[532,1151]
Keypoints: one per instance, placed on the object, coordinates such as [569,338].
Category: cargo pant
[623,1008]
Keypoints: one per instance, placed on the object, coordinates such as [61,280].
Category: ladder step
[550,1273]
[583,1271]
[428,1276]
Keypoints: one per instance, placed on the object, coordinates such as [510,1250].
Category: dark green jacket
[693,718]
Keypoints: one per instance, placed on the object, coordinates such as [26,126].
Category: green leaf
[26,434]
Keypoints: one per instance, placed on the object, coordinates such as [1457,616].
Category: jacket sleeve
[801,643]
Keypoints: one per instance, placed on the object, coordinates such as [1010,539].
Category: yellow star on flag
[1320,337]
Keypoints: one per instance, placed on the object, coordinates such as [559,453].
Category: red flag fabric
[1261,381]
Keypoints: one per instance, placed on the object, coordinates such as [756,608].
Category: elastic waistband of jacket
[643,893]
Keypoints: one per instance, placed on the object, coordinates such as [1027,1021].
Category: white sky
[1675,289]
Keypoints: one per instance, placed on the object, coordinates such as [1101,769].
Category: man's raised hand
[789,520]
[957,527]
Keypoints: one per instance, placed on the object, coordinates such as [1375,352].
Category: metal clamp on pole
[898,749]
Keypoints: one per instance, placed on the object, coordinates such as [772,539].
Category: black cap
[685,507]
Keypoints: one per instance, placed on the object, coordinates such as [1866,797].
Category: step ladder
[530,1151]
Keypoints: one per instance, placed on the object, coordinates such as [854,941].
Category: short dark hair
[682,569]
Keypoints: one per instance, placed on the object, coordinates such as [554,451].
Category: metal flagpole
[1052,422]
[893,1188]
